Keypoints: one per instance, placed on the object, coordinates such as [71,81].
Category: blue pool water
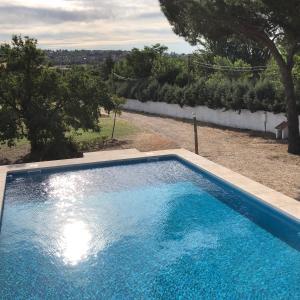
[147,230]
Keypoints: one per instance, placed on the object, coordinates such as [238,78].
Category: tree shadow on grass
[4,161]
[21,160]
[28,157]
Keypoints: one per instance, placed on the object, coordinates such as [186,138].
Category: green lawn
[123,129]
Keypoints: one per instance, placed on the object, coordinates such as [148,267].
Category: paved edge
[277,200]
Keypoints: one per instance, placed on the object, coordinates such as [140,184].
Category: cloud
[151,15]
[12,14]
[88,23]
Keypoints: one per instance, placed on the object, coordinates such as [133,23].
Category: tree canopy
[41,103]
[233,49]
[140,62]
[272,24]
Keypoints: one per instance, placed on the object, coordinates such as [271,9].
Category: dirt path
[262,159]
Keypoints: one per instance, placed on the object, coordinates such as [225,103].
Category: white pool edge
[279,201]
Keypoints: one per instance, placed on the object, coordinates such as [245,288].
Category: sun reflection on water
[79,238]
[66,188]
[75,242]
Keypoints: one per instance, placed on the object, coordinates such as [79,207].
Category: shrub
[190,95]
[218,92]
[238,91]
[182,79]
[251,101]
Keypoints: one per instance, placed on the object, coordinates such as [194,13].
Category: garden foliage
[185,80]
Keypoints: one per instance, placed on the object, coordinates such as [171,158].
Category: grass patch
[123,129]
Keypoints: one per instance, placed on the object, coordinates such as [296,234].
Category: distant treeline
[81,57]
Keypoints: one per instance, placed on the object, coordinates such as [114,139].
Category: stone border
[285,204]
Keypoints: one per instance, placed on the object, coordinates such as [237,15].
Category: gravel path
[261,159]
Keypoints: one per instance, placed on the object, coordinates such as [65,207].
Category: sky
[89,24]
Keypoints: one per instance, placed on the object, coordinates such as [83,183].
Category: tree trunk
[113,131]
[32,135]
[292,113]
[35,146]
[286,68]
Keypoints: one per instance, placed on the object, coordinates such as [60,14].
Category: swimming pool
[144,229]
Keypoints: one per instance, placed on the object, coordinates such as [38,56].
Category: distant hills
[80,57]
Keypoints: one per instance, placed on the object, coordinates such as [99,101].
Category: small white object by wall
[285,133]
[278,134]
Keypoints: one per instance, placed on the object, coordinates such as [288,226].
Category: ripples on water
[149,230]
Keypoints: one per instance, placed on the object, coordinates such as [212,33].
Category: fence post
[196,134]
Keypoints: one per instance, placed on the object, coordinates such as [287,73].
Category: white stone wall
[244,120]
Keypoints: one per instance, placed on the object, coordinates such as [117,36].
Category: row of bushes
[215,92]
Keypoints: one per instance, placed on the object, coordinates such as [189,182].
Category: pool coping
[277,200]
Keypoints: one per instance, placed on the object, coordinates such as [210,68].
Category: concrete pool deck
[275,199]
